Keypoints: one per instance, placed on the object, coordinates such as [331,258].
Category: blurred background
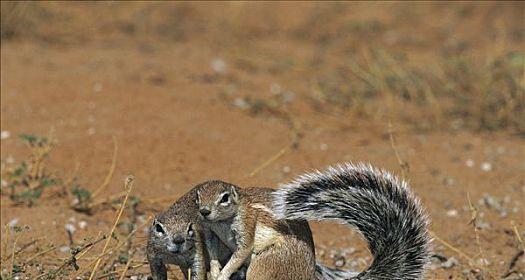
[255,94]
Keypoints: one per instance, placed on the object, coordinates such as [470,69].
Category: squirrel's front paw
[223,276]
[215,269]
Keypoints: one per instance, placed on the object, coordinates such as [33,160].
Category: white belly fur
[265,237]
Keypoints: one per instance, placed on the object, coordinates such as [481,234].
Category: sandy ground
[177,123]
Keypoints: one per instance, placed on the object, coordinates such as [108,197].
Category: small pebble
[486,166]
[483,225]
[452,213]
[323,147]
[64,249]
[449,181]
[469,163]
[5,134]
[340,262]
[13,222]
[82,224]
[451,262]
[491,202]
[218,65]
[71,228]
[286,169]
[241,103]
[483,262]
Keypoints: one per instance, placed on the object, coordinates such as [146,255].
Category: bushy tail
[375,202]
[324,272]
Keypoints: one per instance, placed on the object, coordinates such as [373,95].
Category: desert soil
[165,105]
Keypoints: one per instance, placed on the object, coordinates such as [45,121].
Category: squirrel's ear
[197,197]
[234,194]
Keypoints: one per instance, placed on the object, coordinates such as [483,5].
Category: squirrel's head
[177,234]
[217,201]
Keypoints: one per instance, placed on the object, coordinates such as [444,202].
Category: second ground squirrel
[176,237]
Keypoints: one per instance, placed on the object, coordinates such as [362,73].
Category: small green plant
[83,198]
[27,180]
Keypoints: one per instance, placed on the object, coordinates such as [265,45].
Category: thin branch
[111,169]
[128,186]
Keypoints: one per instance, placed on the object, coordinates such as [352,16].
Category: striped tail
[374,202]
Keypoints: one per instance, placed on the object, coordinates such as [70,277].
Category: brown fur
[176,222]
[242,220]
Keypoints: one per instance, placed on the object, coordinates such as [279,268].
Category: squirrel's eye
[225,198]
[159,229]
[190,229]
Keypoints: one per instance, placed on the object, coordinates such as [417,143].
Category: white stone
[64,249]
[82,224]
[218,65]
[450,263]
[5,134]
[452,213]
[486,166]
[71,228]
[13,222]
[241,103]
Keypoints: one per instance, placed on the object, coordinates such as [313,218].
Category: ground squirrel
[374,202]
[176,237]
[269,229]
[242,219]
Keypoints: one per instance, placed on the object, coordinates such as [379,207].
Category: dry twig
[105,183]
[128,186]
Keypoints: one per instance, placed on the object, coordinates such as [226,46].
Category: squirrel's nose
[178,240]
[204,211]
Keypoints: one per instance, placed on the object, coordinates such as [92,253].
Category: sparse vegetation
[457,93]
[26,185]
[26,182]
